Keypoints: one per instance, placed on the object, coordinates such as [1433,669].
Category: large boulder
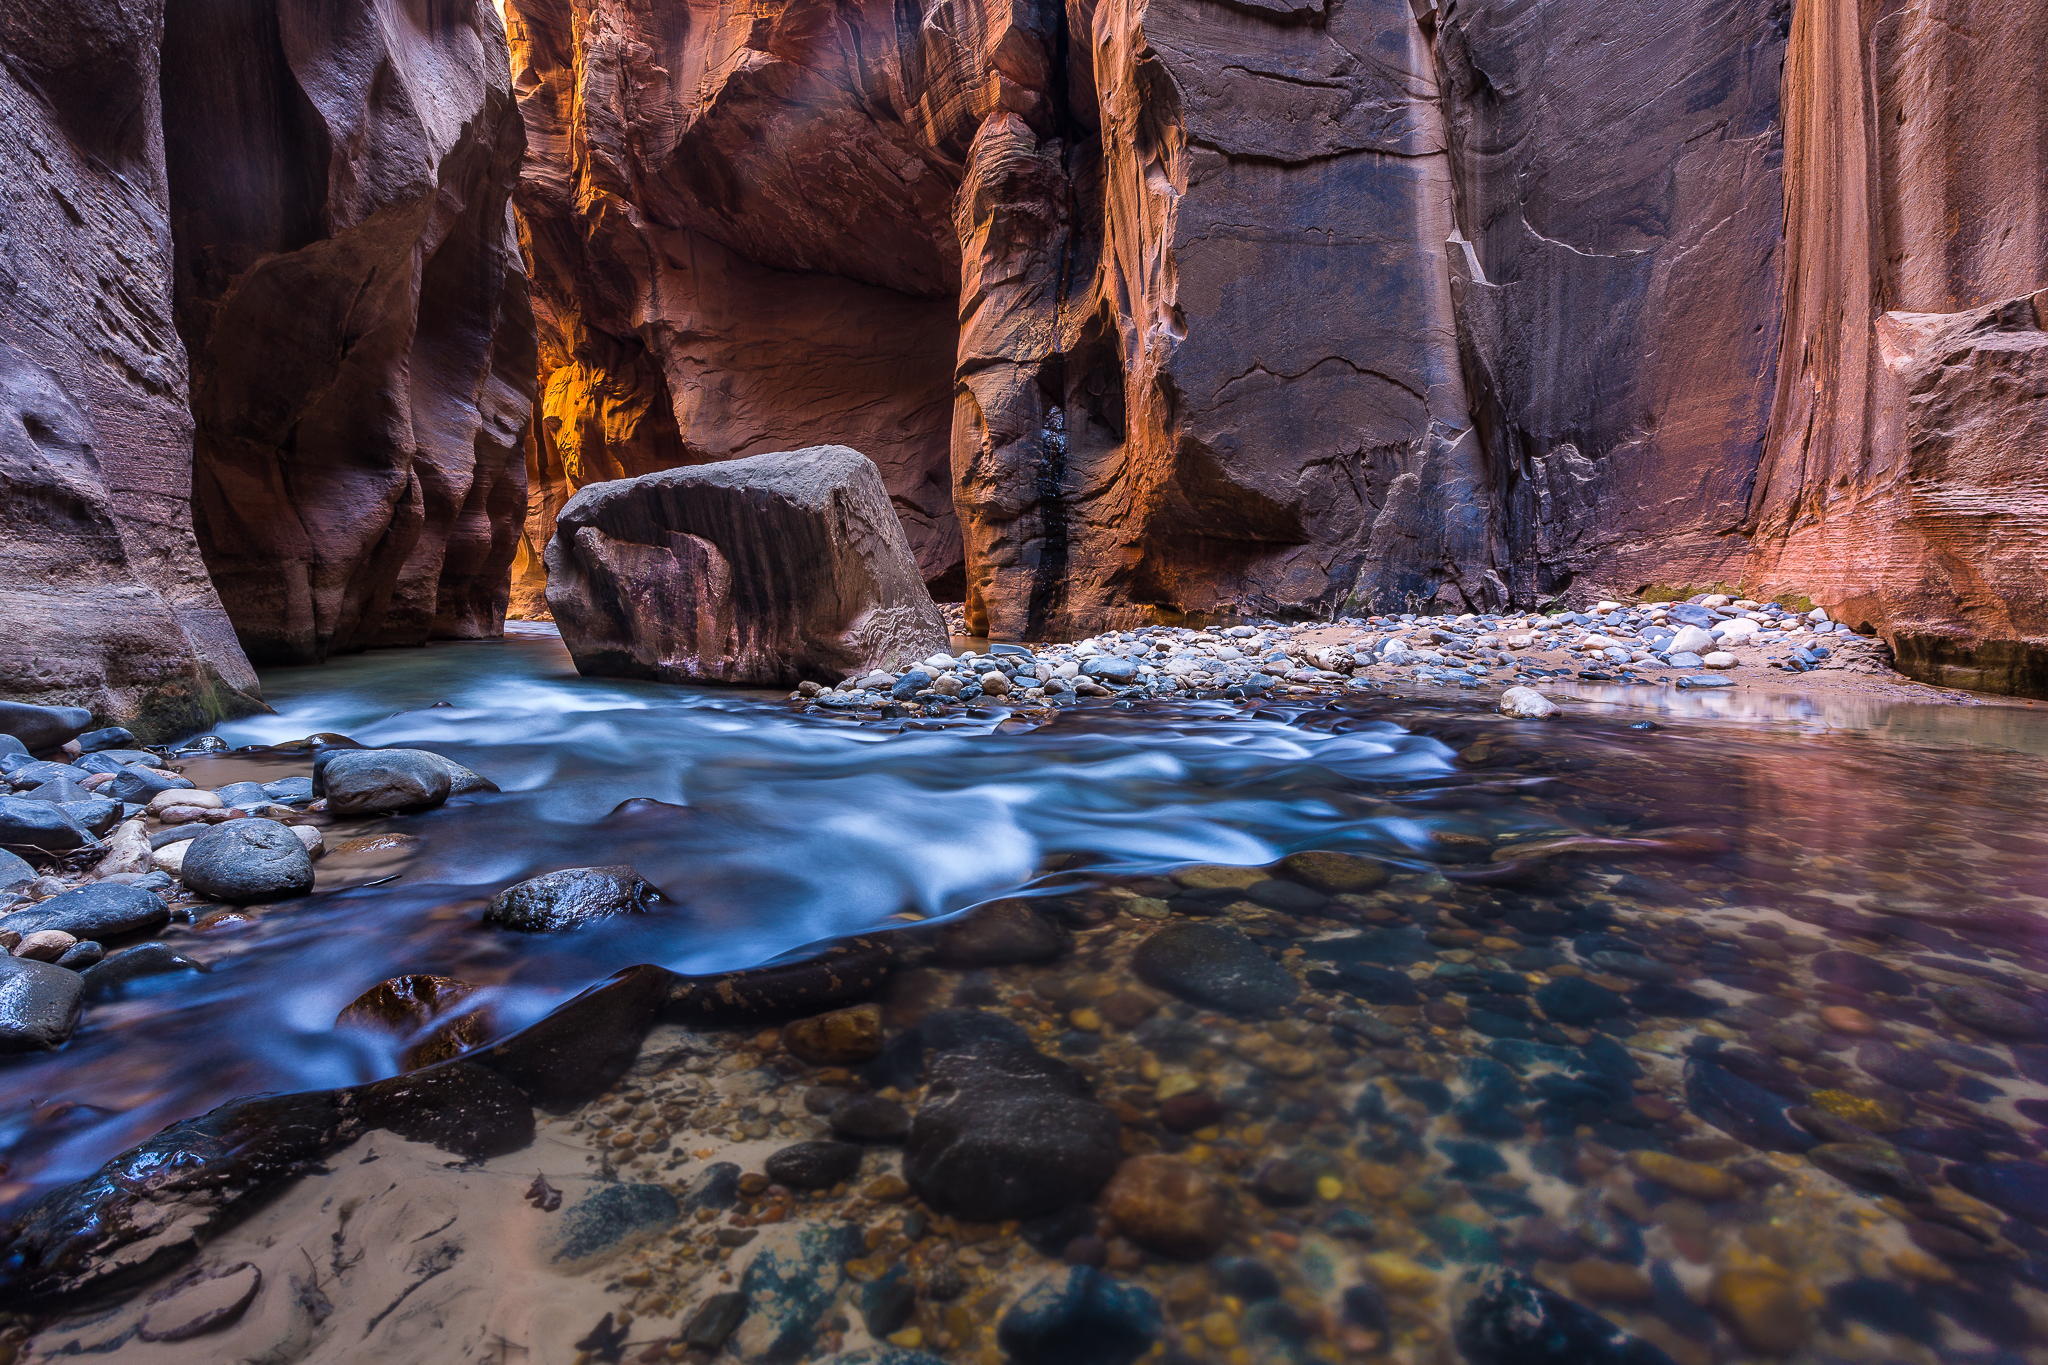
[38,1004]
[767,570]
[42,727]
[390,781]
[248,862]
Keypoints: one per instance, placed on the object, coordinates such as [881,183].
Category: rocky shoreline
[1709,641]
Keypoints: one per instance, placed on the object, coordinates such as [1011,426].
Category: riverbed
[1728,931]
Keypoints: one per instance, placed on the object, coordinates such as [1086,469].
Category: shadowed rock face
[104,600]
[348,283]
[1296,307]
[315,197]
[770,570]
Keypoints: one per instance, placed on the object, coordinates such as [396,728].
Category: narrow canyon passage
[994,682]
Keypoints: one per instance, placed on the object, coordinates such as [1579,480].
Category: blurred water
[766,831]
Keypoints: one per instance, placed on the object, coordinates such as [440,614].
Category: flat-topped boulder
[768,570]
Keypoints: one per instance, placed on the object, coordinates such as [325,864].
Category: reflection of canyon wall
[1153,309]
[349,286]
[104,601]
[315,196]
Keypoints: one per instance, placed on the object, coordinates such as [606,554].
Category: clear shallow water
[766,830]
[1798,942]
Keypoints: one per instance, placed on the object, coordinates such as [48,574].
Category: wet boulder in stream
[40,728]
[1005,1131]
[390,781]
[38,1004]
[569,898]
[98,910]
[770,570]
[248,862]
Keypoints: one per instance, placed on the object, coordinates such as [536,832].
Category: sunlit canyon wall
[1176,309]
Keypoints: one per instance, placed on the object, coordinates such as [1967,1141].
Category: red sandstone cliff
[349,285]
[315,195]
[1154,309]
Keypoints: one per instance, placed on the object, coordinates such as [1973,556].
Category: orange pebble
[1848,1019]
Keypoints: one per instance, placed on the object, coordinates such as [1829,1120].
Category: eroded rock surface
[768,570]
[1270,308]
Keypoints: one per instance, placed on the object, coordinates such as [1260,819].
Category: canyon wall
[1177,309]
[349,286]
[315,197]
[104,599]
[1907,476]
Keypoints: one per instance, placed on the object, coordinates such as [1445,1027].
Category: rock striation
[773,570]
[264,352]
[1298,308]
[348,283]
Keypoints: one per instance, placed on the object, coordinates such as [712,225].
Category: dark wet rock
[112,737]
[844,974]
[248,862]
[869,1118]
[39,825]
[1577,1001]
[886,1305]
[245,794]
[114,976]
[815,1165]
[38,1004]
[2019,1188]
[1906,1068]
[404,1006]
[153,1206]
[80,955]
[717,1186]
[570,898]
[789,1288]
[1247,1279]
[100,911]
[836,1038]
[14,872]
[142,785]
[1000,934]
[62,790]
[1333,873]
[42,727]
[578,1051]
[202,1303]
[1216,966]
[1992,1012]
[118,760]
[1860,974]
[1869,1165]
[379,781]
[1879,1305]
[1167,1205]
[1004,1131]
[390,781]
[609,1219]
[712,1323]
[290,791]
[1283,1183]
[1742,1108]
[457,1107]
[1082,1317]
[1510,1319]
[94,814]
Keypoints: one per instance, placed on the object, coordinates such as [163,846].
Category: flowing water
[1757,907]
